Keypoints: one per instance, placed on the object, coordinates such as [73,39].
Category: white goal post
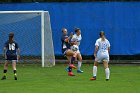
[47,48]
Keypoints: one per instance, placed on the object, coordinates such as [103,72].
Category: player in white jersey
[101,54]
[76,39]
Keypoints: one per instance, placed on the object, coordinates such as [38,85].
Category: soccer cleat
[107,79]
[15,77]
[72,66]
[93,78]
[70,74]
[3,78]
[80,71]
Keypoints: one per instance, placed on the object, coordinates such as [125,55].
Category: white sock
[107,72]
[94,70]
[79,65]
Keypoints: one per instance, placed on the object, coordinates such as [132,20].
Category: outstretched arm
[95,51]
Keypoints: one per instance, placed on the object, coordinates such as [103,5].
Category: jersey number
[12,46]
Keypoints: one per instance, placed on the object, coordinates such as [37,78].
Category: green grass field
[35,79]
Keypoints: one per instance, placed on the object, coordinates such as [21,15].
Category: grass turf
[35,79]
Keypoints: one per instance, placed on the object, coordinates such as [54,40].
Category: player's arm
[108,49]
[95,51]
[73,43]
[4,52]
[96,48]
[18,53]
[66,40]
[69,38]
[4,49]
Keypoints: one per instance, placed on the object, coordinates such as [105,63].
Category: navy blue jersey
[65,45]
[11,48]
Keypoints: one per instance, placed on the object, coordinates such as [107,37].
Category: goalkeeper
[11,54]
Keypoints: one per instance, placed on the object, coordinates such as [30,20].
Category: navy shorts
[64,51]
[11,57]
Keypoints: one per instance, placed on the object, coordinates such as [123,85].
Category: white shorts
[102,57]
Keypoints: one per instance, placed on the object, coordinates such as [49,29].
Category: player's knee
[95,63]
[74,54]
[105,65]
[80,59]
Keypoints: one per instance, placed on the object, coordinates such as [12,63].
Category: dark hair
[77,29]
[11,35]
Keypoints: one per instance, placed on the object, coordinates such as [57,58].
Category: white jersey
[102,53]
[76,38]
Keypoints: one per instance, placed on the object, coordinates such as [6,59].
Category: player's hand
[4,55]
[18,57]
[71,34]
[75,43]
[95,55]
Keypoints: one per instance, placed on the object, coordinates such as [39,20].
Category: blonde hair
[102,35]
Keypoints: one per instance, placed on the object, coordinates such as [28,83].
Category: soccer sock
[69,69]
[72,60]
[94,71]
[15,72]
[107,72]
[4,72]
[79,65]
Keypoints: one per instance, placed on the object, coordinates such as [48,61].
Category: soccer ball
[74,48]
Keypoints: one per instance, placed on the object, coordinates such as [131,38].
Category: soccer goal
[33,33]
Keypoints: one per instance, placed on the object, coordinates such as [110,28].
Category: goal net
[33,34]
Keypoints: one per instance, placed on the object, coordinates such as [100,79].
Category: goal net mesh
[32,33]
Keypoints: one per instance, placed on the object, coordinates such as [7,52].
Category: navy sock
[4,71]
[70,69]
[15,71]
[72,60]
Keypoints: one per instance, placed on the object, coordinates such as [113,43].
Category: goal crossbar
[8,12]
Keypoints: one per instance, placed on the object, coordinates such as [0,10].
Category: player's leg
[73,57]
[94,70]
[69,69]
[5,70]
[70,55]
[107,71]
[79,63]
[14,69]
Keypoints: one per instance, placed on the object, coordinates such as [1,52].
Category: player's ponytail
[102,35]
[11,36]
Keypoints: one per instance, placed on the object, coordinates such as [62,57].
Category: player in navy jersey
[11,54]
[71,56]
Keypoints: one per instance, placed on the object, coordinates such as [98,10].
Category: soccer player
[71,56]
[101,54]
[11,54]
[76,39]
